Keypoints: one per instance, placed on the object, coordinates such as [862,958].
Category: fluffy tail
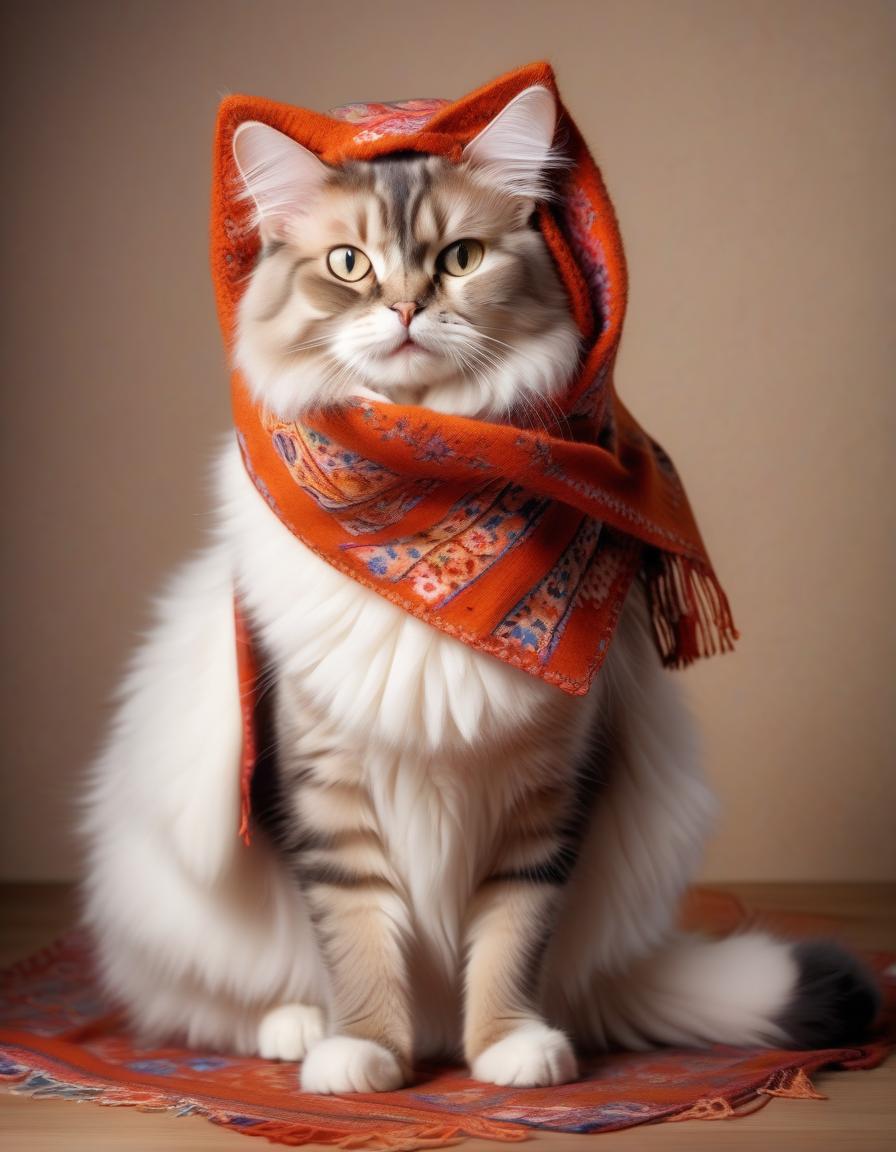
[748,989]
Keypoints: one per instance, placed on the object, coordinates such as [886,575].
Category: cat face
[409,277]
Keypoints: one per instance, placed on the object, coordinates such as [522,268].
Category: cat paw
[288,1032]
[532,1056]
[346,1064]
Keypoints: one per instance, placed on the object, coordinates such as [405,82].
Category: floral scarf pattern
[521,541]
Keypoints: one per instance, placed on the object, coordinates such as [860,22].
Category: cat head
[409,277]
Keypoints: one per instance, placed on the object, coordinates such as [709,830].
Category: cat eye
[348,264]
[461,258]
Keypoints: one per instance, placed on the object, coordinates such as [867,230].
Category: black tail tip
[836,998]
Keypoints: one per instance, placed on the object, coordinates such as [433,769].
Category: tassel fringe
[688,607]
[43,1085]
[791,1083]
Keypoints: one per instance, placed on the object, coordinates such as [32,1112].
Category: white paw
[344,1064]
[532,1056]
[287,1032]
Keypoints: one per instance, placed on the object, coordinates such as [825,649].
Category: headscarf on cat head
[517,541]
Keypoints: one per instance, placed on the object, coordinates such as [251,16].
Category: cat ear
[280,175]
[514,150]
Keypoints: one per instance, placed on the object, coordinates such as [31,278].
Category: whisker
[481,357]
[532,405]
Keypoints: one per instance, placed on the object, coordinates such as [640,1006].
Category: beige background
[751,151]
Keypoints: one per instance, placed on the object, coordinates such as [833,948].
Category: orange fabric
[519,541]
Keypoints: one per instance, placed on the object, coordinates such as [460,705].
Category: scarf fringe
[689,610]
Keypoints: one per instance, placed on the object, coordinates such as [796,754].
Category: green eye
[348,264]
[461,258]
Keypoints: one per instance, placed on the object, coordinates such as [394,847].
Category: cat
[452,858]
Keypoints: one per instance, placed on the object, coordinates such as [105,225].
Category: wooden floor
[860,1113]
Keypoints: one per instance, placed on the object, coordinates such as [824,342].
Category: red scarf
[518,541]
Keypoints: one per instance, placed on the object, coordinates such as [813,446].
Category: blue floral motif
[207,1063]
[537,622]
[153,1067]
[530,637]
[286,447]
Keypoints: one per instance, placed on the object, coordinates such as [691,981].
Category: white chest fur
[443,735]
[378,671]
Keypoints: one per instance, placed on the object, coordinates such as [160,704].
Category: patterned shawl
[522,542]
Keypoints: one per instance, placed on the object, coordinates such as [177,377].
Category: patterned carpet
[58,1038]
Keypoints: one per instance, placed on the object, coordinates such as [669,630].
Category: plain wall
[751,152]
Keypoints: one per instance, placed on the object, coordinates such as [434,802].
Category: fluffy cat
[452,857]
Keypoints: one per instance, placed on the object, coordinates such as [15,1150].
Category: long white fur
[203,938]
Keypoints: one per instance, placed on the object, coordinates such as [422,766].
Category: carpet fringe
[411,1140]
[22,1081]
[792,1084]
[709,1108]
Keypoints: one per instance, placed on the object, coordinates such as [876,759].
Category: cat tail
[748,989]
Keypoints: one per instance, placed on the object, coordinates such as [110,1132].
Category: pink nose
[406,310]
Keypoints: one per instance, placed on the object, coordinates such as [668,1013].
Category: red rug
[58,1039]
